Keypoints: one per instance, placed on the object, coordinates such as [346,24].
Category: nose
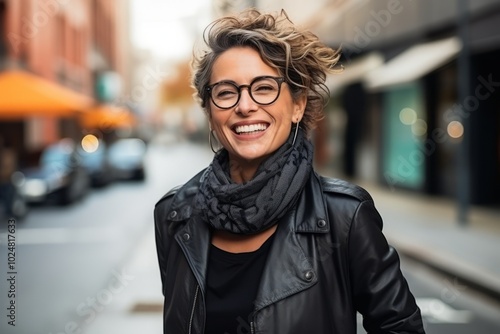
[246,104]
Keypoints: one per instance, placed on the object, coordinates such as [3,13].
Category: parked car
[12,202]
[97,164]
[126,157]
[60,175]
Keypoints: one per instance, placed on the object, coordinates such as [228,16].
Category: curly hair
[296,54]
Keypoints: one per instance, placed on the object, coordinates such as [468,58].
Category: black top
[232,283]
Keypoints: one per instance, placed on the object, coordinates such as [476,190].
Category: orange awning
[107,117]
[23,94]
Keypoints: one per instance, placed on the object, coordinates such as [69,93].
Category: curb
[475,277]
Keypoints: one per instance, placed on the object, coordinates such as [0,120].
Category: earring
[210,135]
[296,132]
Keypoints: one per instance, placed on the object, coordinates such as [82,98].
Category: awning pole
[463,173]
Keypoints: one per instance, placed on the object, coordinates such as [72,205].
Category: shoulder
[341,188]
[185,189]
[169,195]
[178,198]
[348,203]
[350,207]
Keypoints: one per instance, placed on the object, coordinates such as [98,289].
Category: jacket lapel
[194,240]
[289,268]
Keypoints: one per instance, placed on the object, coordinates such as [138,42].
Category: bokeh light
[407,116]
[90,143]
[455,129]
[419,128]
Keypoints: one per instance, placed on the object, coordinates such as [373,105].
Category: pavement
[427,229]
[420,227]
[137,307]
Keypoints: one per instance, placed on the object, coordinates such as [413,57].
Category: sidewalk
[420,227]
[426,229]
[138,307]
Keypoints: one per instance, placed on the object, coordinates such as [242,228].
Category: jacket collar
[312,213]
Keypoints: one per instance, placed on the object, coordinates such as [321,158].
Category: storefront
[28,108]
[407,131]
[425,123]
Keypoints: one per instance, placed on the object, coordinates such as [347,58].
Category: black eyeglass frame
[279,81]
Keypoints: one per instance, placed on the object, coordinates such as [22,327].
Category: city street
[103,110]
[71,262]
[66,255]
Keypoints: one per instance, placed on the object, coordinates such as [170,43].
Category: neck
[243,171]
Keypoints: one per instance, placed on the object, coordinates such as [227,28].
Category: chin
[250,155]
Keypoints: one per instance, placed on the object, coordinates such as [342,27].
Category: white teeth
[250,128]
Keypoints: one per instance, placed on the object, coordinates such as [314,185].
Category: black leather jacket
[328,261]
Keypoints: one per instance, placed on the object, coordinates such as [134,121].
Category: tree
[177,89]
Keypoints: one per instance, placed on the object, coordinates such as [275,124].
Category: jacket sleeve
[381,293]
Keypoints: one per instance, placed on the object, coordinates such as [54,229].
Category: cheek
[217,125]
[213,119]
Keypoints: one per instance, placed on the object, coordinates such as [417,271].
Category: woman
[258,242]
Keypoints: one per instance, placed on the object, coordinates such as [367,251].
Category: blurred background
[97,122]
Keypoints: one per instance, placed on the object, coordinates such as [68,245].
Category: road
[70,260]
[448,306]
[66,255]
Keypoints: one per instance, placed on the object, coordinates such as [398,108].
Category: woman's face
[249,131]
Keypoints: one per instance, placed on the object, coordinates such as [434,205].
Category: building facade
[77,44]
[434,103]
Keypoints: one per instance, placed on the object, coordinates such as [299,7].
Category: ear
[299,108]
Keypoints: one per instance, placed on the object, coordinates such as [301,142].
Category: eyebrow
[252,80]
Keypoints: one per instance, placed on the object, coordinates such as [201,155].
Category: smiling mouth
[252,128]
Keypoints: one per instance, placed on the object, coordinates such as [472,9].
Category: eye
[263,87]
[266,87]
[225,91]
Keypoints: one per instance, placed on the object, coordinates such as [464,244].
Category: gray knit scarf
[258,204]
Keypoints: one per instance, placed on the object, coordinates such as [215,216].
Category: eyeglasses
[263,90]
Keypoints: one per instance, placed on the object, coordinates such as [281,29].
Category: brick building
[77,44]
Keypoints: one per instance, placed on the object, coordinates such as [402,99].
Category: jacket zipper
[192,310]
[252,329]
